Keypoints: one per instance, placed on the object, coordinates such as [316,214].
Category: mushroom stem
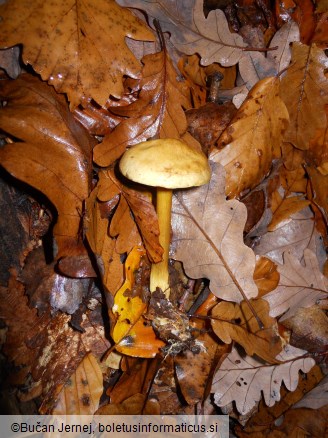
[159,275]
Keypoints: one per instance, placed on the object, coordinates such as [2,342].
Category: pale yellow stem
[159,275]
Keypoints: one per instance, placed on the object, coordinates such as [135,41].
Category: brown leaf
[137,376]
[103,246]
[282,40]
[304,89]
[303,422]
[208,122]
[137,404]
[157,111]
[309,329]
[53,156]
[299,286]
[266,417]
[232,322]
[266,276]
[319,186]
[316,398]
[142,209]
[248,145]
[289,197]
[123,228]
[191,32]
[208,239]
[297,234]
[76,46]
[242,378]
[193,370]
[82,391]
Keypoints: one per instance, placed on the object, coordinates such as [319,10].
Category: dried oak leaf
[77,46]
[266,276]
[304,89]
[191,32]
[319,187]
[138,376]
[250,142]
[309,329]
[158,110]
[194,370]
[296,234]
[232,322]
[299,285]
[140,206]
[282,40]
[54,155]
[264,419]
[102,245]
[242,378]
[303,422]
[316,398]
[289,196]
[208,239]
[80,395]
[254,65]
[137,404]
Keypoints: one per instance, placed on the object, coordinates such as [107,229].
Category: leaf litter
[234,314]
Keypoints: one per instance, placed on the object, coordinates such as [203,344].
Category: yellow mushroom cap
[168,163]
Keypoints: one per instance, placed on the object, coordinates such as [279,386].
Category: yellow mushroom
[166,164]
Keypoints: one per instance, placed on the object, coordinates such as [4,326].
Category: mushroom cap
[168,163]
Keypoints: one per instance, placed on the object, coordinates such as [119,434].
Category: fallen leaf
[289,196]
[266,276]
[303,15]
[248,145]
[316,398]
[137,404]
[208,122]
[143,212]
[304,89]
[54,155]
[282,40]
[194,369]
[320,34]
[253,65]
[297,234]
[60,42]
[103,246]
[319,187]
[191,32]
[309,329]
[82,391]
[208,239]
[266,417]
[232,322]
[157,111]
[131,333]
[306,422]
[137,377]
[242,378]
[299,286]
